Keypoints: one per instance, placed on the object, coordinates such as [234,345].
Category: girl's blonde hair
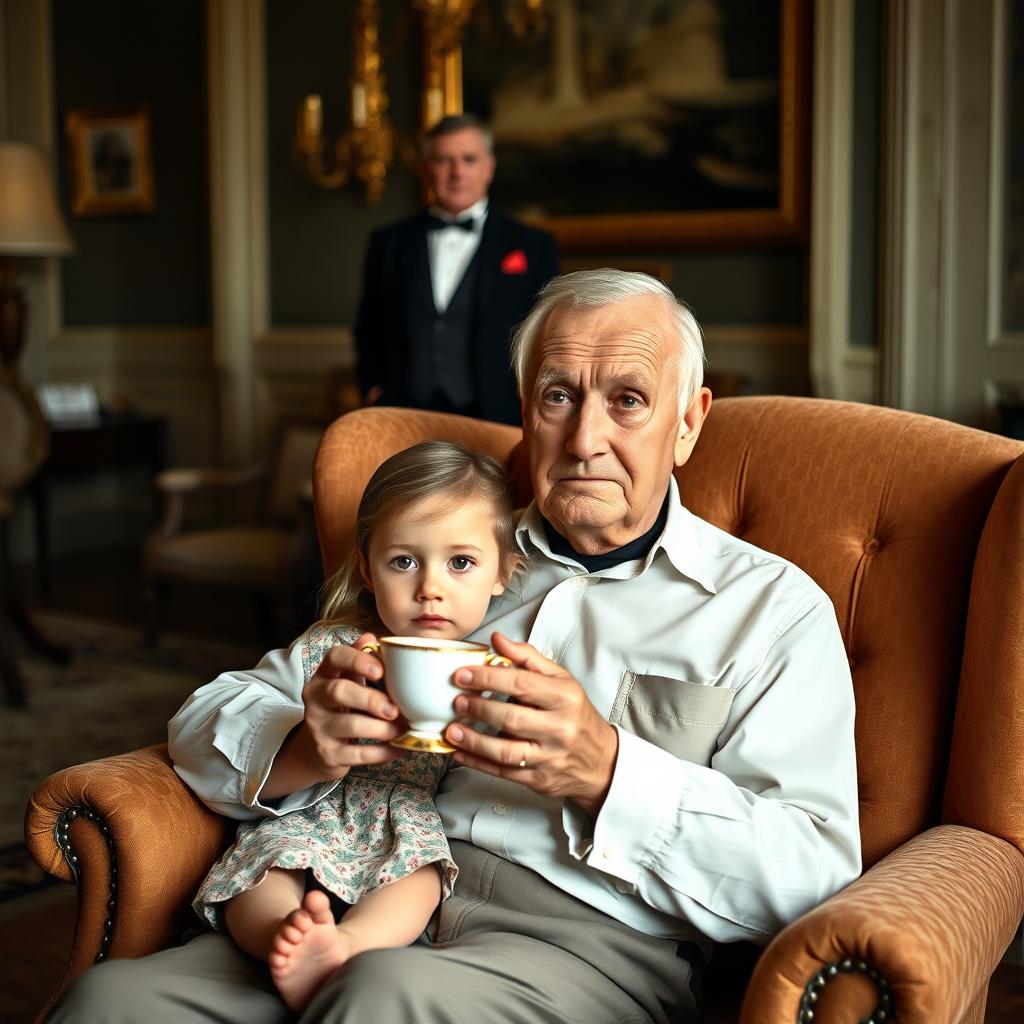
[426,470]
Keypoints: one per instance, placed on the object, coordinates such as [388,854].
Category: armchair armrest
[186,480]
[136,842]
[174,485]
[929,923]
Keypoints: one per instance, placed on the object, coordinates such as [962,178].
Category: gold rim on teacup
[427,744]
[490,658]
[402,642]
[416,739]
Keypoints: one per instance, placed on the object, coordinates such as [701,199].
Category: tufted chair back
[886,511]
[894,515]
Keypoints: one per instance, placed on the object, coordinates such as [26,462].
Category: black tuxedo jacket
[515,262]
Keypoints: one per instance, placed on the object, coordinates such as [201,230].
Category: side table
[119,441]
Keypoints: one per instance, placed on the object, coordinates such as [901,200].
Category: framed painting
[662,270]
[111,161]
[662,124]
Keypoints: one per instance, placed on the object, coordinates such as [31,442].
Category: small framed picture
[111,161]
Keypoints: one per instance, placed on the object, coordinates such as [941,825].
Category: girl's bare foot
[306,949]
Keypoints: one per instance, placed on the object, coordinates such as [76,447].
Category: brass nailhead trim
[882,1011]
[63,840]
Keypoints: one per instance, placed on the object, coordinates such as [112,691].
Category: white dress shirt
[452,249]
[709,649]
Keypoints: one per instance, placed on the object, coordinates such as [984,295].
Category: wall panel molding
[238,211]
[995,335]
[831,196]
[294,367]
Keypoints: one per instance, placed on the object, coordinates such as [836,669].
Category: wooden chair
[914,527]
[260,555]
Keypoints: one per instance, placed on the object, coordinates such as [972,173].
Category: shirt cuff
[267,739]
[579,829]
[635,810]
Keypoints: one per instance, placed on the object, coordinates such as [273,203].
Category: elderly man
[669,761]
[442,290]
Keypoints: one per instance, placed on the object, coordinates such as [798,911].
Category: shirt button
[625,888]
[608,852]
[499,809]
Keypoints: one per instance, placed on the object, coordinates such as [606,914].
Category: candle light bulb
[359,104]
[311,116]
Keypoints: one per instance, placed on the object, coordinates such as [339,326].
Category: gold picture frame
[784,221]
[111,161]
[659,269]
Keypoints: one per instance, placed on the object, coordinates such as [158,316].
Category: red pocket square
[514,262]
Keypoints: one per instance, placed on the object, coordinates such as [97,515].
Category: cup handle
[496,659]
[371,649]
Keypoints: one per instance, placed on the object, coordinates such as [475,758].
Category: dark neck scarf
[627,553]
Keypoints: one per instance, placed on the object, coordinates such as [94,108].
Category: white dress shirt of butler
[442,290]
[671,753]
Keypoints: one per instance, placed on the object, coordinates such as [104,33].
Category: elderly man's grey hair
[586,288]
[452,123]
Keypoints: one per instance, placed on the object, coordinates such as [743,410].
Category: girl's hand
[340,710]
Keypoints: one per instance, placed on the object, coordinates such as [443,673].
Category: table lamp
[30,225]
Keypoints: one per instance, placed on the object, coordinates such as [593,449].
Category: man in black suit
[443,290]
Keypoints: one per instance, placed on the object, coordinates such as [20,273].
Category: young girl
[434,542]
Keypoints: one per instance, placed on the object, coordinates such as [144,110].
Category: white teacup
[418,676]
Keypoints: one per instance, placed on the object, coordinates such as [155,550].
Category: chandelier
[366,149]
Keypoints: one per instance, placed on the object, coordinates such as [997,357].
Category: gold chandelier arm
[317,169]
[366,150]
[444,22]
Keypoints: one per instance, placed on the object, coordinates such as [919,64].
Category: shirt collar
[478,211]
[680,540]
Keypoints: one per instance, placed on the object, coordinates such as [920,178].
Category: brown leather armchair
[915,527]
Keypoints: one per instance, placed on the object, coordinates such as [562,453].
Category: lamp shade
[30,222]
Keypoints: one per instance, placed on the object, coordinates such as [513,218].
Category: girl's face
[434,568]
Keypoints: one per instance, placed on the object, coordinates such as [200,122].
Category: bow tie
[436,223]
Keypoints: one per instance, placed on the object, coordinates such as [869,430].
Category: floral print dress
[378,825]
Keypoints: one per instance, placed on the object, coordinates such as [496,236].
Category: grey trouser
[506,948]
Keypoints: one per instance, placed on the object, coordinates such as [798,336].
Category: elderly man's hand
[340,709]
[548,722]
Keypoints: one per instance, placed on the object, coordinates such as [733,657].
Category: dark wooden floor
[35,933]
[35,937]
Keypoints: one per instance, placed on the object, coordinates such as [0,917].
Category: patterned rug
[114,696]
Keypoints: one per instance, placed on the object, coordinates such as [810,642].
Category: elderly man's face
[601,420]
[459,169]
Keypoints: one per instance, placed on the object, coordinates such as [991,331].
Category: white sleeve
[225,737]
[770,829]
